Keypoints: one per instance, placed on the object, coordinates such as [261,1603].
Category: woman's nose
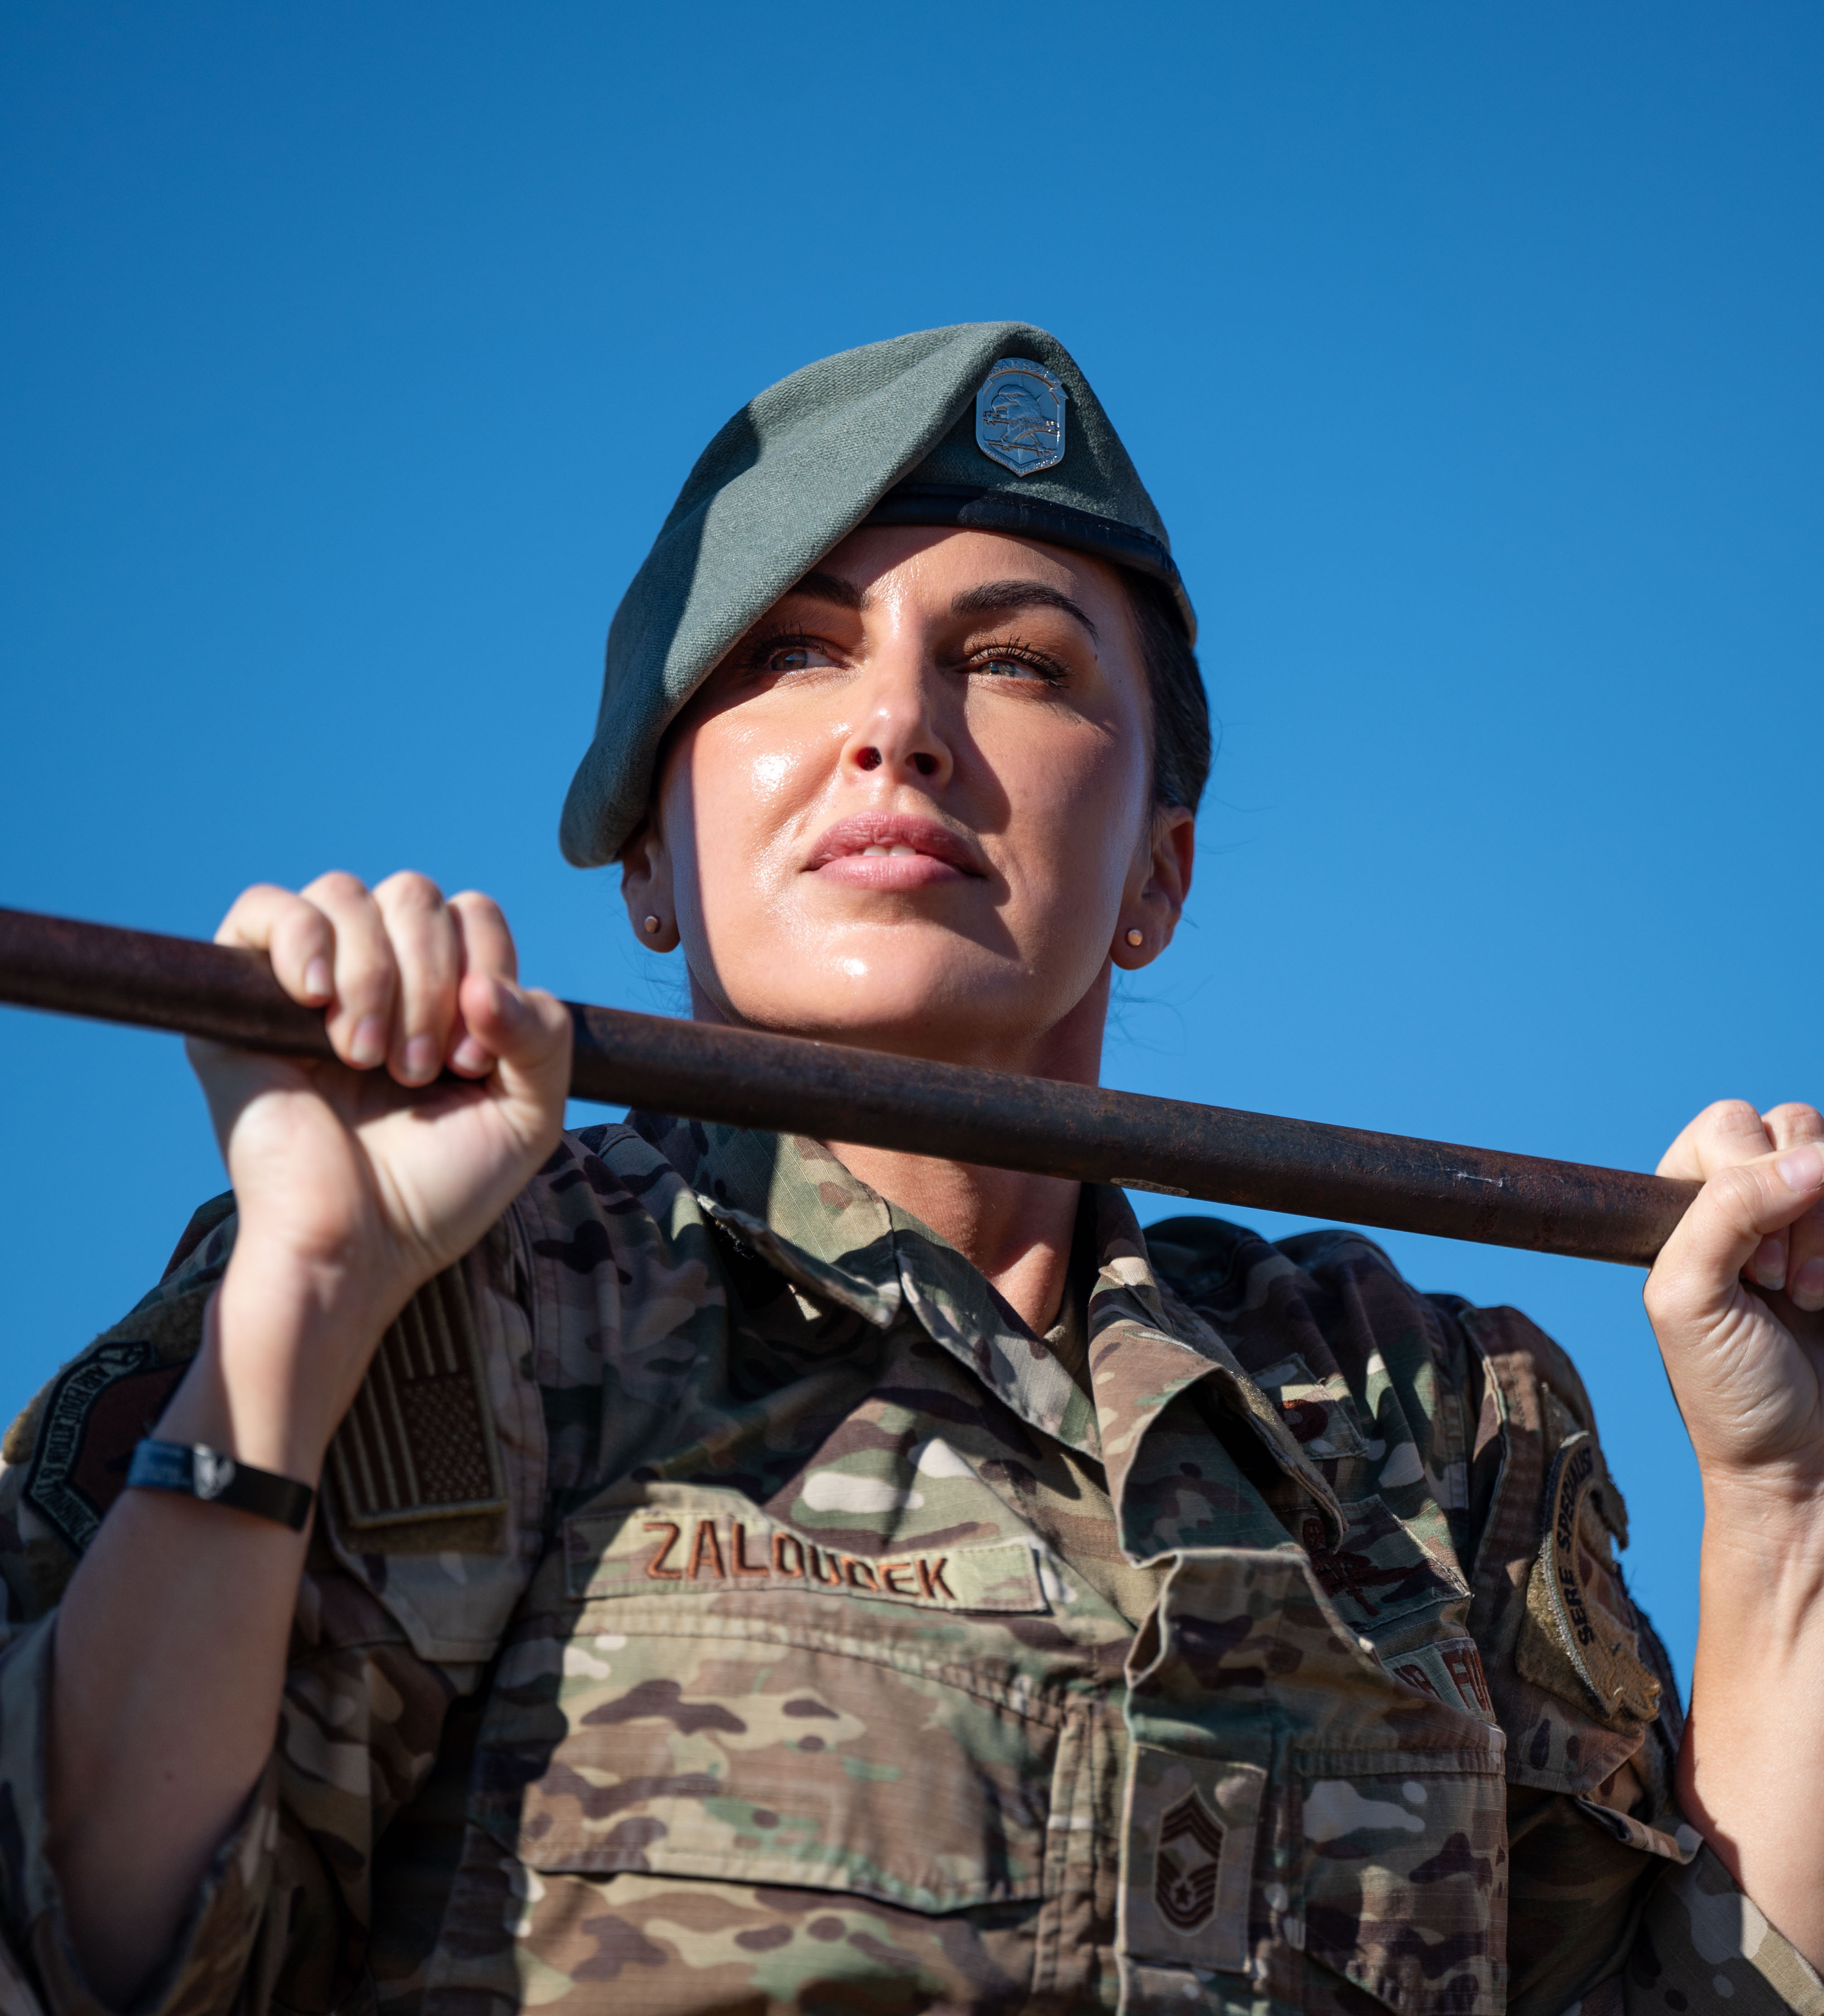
[870,756]
[898,733]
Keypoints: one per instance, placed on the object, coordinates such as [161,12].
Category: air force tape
[1019,416]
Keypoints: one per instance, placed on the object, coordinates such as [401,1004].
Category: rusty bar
[746,1079]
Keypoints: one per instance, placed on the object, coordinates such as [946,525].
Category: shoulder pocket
[1298,1815]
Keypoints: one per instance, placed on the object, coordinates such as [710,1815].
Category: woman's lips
[889,871]
[892,851]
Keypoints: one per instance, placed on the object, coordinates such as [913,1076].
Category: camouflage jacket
[722,1601]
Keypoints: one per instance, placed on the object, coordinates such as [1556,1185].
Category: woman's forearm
[1751,1773]
[170,1658]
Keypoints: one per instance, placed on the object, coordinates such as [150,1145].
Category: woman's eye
[794,658]
[997,666]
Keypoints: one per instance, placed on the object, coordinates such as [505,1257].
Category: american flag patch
[419,1444]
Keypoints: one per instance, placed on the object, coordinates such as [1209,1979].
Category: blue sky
[351,355]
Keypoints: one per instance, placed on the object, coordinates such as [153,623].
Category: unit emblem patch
[98,1409]
[1019,416]
[1578,1611]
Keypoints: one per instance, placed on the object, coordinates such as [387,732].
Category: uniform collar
[790,1199]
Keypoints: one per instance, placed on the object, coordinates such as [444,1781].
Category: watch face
[212,1474]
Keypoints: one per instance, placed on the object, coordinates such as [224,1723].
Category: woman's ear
[1157,889]
[646,888]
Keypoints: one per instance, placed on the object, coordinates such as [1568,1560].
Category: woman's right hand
[355,1182]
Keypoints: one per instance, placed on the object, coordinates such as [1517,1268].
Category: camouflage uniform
[722,1601]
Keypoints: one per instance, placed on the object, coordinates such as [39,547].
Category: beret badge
[1019,416]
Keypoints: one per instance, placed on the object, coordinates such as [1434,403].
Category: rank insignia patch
[1019,416]
[1187,1859]
[98,1409]
[1186,1863]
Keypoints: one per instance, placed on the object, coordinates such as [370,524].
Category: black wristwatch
[196,1470]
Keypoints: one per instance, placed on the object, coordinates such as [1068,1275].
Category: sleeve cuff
[1704,1944]
[203,1970]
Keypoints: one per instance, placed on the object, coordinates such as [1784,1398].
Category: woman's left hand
[1736,1300]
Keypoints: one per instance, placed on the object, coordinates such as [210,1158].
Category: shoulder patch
[1578,1616]
[94,1413]
[415,1465]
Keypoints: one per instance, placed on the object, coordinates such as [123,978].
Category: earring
[1137,938]
[652,928]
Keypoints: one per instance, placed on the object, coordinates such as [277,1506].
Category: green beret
[989,425]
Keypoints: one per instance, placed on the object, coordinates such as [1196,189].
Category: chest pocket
[1298,1817]
[821,1722]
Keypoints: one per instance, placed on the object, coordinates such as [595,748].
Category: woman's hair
[1180,707]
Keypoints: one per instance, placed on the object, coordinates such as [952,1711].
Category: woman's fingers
[1741,1204]
[1790,1125]
[1729,1132]
[1800,1246]
[1724,1136]
[525,1030]
[326,947]
[486,947]
[366,974]
[408,979]
[425,946]
[528,1031]
[297,938]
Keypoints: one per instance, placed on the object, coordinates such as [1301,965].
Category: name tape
[658,1551]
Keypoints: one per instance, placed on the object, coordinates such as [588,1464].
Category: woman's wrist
[1771,1516]
[1761,1584]
[284,1349]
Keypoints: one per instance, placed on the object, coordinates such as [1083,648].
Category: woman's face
[911,809]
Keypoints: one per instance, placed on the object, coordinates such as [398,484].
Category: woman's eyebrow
[995,596]
[828,588]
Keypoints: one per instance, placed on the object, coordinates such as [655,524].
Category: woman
[757,1572]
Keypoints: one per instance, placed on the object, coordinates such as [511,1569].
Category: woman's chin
[944,1018]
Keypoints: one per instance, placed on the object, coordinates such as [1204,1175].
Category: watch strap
[198,1471]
